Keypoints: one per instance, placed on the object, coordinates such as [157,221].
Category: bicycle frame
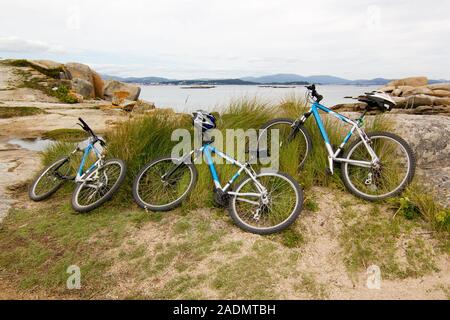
[333,155]
[208,150]
[81,175]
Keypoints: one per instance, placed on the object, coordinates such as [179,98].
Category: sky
[182,39]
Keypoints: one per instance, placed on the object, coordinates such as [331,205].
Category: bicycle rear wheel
[395,172]
[163,184]
[285,201]
[99,186]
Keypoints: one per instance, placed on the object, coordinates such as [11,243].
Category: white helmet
[203,120]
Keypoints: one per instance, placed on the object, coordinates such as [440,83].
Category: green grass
[186,253]
[11,112]
[62,93]
[66,134]
[52,73]
[374,238]
[37,246]
[309,285]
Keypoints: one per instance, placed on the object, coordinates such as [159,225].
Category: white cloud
[211,38]
[15,44]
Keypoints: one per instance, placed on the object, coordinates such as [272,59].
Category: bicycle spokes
[99,184]
[384,177]
[52,178]
[161,184]
[269,209]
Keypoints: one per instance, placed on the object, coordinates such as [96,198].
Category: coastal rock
[431,110]
[440,86]
[416,91]
[441,101]
[79,70]
[400,101]
[412,81]
[114,88]
[429,136]
[45,64]
[387,89]
[128,105]
[397,92]
[83,87]
[441,93]
[143,106]
[419,100]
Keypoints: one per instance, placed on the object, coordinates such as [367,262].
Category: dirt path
[323,258]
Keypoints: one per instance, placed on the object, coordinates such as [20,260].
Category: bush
[63,94]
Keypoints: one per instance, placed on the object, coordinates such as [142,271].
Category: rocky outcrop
[429,136]
[83,88]
[413,96]
[84,82]
[412,81]
[119,90]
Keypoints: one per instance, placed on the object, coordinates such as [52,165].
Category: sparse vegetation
[68,135]
[52,73]
[62,92]
[196,251]
[311,287]
[10,112]
[374,238]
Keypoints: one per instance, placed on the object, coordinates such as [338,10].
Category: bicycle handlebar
[314,93]
[86,128]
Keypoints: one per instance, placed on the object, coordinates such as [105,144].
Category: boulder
[400,102]
[419,100]
[45,64]
[387,89]
[128,105]
[412,81]
[416,91]
[79,98]
[80,71]
[83,87]
[440,93]
[429,136]
[441,101]
[440,86]
[112,87]
[397,92]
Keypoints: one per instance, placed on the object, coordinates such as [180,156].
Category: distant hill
[274,79]
[322,79]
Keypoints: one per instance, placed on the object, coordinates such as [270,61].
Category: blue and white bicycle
[261,203]
[376,166]
[95,186]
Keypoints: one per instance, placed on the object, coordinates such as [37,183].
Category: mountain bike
[95,185]
[376,166]
[261,203]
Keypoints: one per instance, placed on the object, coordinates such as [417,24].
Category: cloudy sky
[233,38]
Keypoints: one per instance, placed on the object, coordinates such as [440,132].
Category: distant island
[286,79]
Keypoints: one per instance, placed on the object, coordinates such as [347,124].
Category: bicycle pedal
[328,172]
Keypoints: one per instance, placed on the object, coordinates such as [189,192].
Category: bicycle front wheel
[163,184]
[390,178]
[50,179]
[294,145]
[99,186]
[264,216]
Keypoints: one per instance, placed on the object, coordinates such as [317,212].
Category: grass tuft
[11,112]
